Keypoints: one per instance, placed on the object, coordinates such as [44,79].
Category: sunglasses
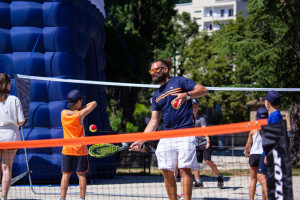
[155,70]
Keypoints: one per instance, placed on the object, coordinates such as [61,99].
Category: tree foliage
[185,29]
[262,50]
[150,31]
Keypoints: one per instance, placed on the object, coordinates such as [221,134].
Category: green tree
[266,52]
[143,26]
[185,29]
[149,29]
[282,19]
[205,66]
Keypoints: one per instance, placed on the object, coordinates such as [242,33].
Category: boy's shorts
[203,152]
[262,168]
[81,164]
[173,151]
[254,160]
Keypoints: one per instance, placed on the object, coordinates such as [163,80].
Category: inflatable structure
[65,39]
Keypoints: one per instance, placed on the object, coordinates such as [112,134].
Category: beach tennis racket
[106,150]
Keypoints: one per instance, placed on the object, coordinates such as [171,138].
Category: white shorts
[173,151]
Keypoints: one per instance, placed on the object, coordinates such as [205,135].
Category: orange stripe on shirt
[176,90]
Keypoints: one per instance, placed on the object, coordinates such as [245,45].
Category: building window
[230,13]
[222,13]
[210,13]
[210,27]
[198,11]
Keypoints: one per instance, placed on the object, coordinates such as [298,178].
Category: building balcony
[220,1]
[217,18]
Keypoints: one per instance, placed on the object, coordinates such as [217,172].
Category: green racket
[105,150]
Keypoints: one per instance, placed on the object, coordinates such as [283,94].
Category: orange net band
[132,137]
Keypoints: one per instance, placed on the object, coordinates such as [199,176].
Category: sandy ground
[152,187]
[132,188]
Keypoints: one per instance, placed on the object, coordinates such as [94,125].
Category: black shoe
[220,181]
[198,184]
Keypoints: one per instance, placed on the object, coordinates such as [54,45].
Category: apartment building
[207,12]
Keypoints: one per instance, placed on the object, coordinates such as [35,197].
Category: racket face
[102,150]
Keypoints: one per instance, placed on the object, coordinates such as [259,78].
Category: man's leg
[253,181]
[207,157]
[197,174]
[213,167]
[199,154]
[198,182]
[187,183]
[170,183]
[82,185]
[64,185]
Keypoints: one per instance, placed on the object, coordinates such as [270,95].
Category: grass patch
[296,172]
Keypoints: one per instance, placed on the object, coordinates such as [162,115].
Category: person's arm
[85,110]
[198,91]
[152,126]
[265,160]
[207,141]
[21,123]
[248,144]
[20,114]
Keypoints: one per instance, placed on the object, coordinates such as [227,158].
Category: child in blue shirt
[272,100]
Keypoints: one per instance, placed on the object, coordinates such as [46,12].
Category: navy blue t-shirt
[162,98]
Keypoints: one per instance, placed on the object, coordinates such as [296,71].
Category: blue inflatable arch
[70,45]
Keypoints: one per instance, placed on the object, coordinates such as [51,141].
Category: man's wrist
[188,97]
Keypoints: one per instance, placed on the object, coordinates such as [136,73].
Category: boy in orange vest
[72,123]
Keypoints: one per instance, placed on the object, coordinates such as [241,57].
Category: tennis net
[122,113]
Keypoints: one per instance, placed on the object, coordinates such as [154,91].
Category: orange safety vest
[72,129]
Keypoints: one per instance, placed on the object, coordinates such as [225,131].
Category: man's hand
[207,145]
[181,97]
[136,146]
[265,160]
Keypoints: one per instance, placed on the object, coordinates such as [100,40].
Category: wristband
[188,97]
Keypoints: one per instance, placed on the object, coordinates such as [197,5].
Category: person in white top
[255,152]
[11,117]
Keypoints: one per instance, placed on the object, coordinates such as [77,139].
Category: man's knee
[186,172]
[208,162]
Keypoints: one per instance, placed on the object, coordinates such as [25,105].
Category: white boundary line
[150,85]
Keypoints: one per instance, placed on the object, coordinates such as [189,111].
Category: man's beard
[159,78]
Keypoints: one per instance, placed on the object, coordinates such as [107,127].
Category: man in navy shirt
[272,100]
[173,102]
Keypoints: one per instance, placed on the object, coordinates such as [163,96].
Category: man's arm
[207,141]
[87,109]
[198,91]
[152,126]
